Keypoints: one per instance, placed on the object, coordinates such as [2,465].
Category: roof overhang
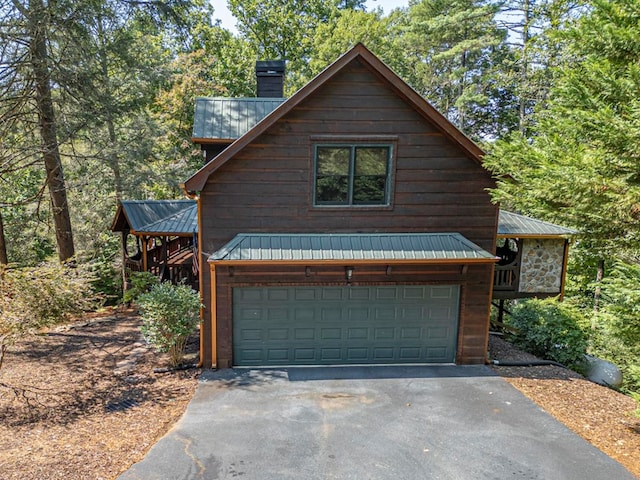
[157,218]
[351,249]
[514,225]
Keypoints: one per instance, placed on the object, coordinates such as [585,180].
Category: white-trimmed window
[351,175]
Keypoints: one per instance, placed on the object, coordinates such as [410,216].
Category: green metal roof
[516,225]
[229,118]
[365,247]
[176,217]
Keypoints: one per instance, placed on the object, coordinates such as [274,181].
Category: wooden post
[125,285]
[145,261]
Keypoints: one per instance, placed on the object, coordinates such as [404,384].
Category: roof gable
[370,61]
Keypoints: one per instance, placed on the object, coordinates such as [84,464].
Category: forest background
[97,96]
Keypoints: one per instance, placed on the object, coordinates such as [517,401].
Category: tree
[533,27]
[349,27]
[458,52]
[30,21]
[283,30]
[580,165]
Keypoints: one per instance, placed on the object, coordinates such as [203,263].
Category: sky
[221,12]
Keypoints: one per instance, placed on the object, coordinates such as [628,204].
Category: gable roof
[515,225]
[385,248]
[157,217]
[223,120]
[361,53]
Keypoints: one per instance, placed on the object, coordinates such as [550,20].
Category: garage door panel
[358,293]
[277,334]
[434,353]
[385,354]
[385,293]
[330,355]
[305,355]
[304,334]
[384,333]
[277,294]
[278,355]
[304,294]
[330,333]
[357,355]
[330,326]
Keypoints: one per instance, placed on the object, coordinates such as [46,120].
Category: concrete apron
[400,423]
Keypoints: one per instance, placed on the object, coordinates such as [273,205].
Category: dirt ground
[82,401]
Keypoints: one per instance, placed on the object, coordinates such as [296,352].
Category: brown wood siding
[267,187]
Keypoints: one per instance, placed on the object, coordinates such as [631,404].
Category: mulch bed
[82,401]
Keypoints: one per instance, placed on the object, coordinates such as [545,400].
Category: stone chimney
[270,78]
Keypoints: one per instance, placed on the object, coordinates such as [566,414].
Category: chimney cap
[270,67]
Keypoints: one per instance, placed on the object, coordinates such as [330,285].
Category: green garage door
[345,325]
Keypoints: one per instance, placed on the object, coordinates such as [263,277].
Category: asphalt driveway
[399,423]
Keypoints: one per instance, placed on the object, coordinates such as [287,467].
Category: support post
[214,319]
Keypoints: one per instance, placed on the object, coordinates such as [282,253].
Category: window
[352,175]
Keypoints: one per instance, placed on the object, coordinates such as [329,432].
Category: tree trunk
[524,66]
[113,161]
[4,260]
[597,292]
[48,133]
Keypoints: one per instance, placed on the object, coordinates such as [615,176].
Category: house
[350,225]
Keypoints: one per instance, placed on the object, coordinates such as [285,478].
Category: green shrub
[108,279]
[170,314]
[551,330]
[140,282]
[36,297]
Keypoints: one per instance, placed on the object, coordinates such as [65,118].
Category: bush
[551,330]
[170,314]
[141,282]
[36,297]
[108,279]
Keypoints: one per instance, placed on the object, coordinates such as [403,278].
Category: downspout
[525,363]
[194,196]
[214,319]
[565,260]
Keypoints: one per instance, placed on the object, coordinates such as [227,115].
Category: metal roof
[358,247]
[158,216]
[515,225]
[229,118]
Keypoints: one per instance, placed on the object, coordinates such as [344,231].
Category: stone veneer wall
[541,265]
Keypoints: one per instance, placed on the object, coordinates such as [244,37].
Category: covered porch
[159,237]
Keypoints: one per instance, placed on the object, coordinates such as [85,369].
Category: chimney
[270,78]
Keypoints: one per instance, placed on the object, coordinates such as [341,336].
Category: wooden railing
[505,278]
[177,267]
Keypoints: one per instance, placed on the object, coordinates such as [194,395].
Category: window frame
[353,146]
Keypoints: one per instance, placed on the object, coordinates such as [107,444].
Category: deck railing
[505,277]
[176,267]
